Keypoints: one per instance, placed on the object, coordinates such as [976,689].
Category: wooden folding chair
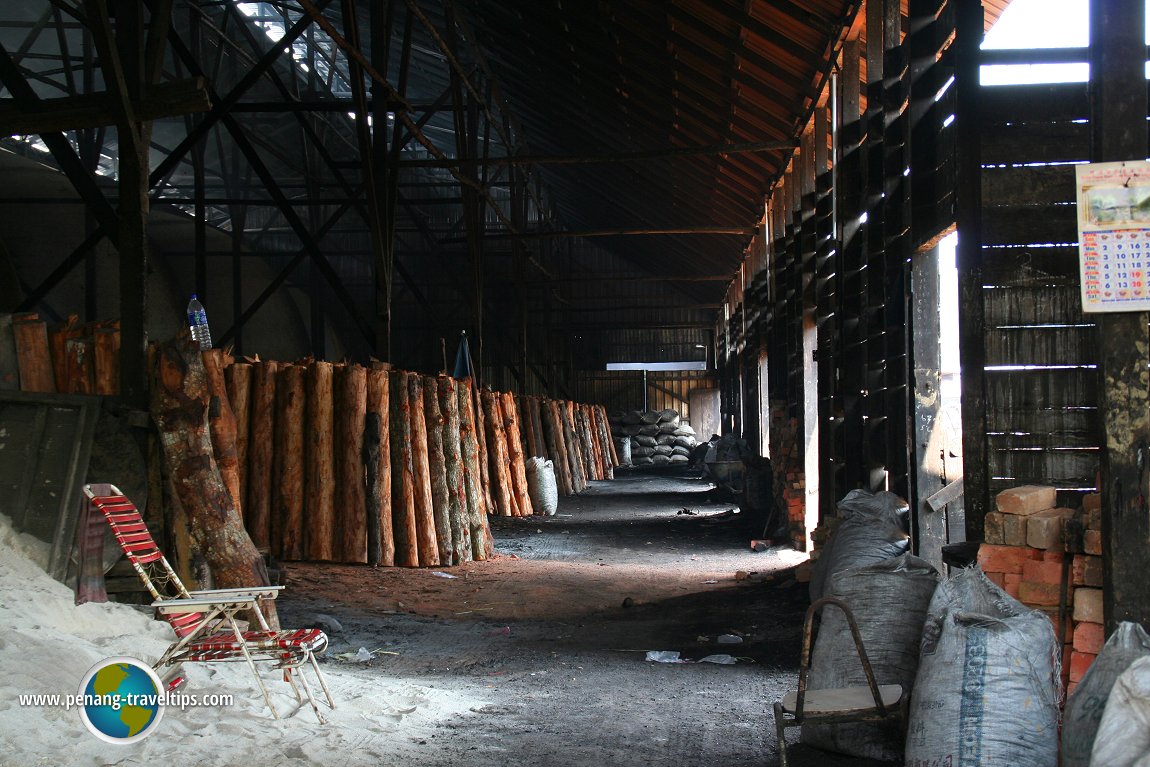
[205,622]
[873,703]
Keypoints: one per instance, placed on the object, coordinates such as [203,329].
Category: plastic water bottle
[198,323]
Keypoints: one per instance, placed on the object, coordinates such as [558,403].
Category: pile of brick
[1024,551]
[786,441]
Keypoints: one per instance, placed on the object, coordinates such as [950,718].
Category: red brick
[1070,688]
[1087,571]
[1044,528]
[1033,593]
[1013,530]
[1088,605]
[1005,559]
[1026,499]
[1042,572]
[1010,584]
[1089,637]
[1092,542]
[992,531]
[1094,520]
[1052,613]
[1079,662]
[1053,555]
[1091,502]
[996,579]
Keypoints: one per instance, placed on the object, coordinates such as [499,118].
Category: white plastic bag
[541,486]
[1124,733]
[1085,706]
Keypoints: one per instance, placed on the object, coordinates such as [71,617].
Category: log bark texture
[517,463]
[350,504]
[606,444]
[481,437]
[497,458]
[574,452]
[402,473]
[222,426]
[79,366]
[179,401]
[472,470]
[377,459]
[453,470]
[238,379]
[436,464]
[527,425]
[553,430]
[424,506]
[107,341]
[257,512]
[319,481]
[32,353]
[290,464]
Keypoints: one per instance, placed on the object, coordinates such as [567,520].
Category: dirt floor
[553,633]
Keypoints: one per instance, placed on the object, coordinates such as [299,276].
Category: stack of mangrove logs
[68,358]
[352,464]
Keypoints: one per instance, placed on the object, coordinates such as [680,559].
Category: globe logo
[121,700]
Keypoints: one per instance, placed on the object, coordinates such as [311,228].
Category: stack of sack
[653,438]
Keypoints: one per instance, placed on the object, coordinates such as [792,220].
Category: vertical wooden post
[517,464]
[574,453]
[441,503]
[524,404]
[288,487]
[553,431]
[223,425]
[473,470]
[238,380]
[350,503]
[454,470]
[421,476]
[968,257]
[377,456]
[107,342]
[497,458]
[319,479]
[79,366]
[180,406]
[258,510]
[34,360]
[1118,132]
[481,437]
[402,472]
[9,370]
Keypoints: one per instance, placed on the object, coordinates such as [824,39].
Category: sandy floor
[534,658]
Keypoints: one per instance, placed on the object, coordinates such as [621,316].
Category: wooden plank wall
[845,221]
[1040,381]
[622,390]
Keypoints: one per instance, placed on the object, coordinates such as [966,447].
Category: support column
[1118,132]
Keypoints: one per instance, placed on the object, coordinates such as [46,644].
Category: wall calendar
[1114,235]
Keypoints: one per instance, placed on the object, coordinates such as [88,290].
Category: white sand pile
[47,645]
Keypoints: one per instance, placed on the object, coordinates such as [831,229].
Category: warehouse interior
[569,229]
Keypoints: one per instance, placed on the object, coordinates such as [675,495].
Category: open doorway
[938,518]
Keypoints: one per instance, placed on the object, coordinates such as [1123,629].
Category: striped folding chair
[205,622]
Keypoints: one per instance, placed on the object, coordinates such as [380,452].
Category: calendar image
[1114,235]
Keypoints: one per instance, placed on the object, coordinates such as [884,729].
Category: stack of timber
[343,463]
[67,358]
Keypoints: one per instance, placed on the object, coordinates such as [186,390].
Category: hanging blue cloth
[463,367]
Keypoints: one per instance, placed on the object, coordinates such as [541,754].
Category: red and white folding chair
[205,621]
